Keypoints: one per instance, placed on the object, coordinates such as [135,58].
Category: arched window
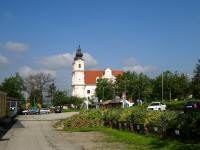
[97,79]
[79,65]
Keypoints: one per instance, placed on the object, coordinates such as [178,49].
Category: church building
[84,81]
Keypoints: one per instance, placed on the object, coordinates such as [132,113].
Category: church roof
[91,75]
[79,54]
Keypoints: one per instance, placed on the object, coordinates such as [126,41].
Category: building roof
[91,75]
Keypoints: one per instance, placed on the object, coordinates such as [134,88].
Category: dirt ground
[92,141]
[36,132]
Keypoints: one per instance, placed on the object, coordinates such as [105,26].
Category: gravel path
[34,132]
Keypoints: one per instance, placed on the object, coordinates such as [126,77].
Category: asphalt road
[35,132]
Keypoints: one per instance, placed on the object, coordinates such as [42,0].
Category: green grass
[70,110]
[139,142]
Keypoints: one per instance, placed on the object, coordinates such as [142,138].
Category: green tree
[76,101]
[13,86]
[175,86]
[196,81]
[60,98]
[135,85]
[105,89]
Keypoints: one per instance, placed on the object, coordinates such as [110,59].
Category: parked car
[58,109]
[45,111]
[156,106]
[31,111]
[192,105]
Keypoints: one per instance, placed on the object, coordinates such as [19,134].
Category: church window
[97,79]
[79,65]
[88,91]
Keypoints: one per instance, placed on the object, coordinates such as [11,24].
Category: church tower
[78,77]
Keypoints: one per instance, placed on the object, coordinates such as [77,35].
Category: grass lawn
[134,141]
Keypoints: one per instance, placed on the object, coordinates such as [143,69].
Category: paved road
[35,132]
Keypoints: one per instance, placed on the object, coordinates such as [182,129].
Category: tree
[60,98]
[134,85]
[51,91]
[77,101]
[105,89]
[37,84]
[196,81]
[175,86]
[13,86]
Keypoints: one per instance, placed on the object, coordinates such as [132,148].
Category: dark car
[31,111]
[192,105]
[58,109]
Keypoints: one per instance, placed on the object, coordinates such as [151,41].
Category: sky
[148,36]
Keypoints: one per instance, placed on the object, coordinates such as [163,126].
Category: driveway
[35,132]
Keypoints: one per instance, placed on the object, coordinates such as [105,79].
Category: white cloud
[132,65]
[60,61]
[130,62]
[89,60]
[16,46]
[140,68]
[4,62]
[26,71]
[63,61]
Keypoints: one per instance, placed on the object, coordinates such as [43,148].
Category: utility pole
[162,86]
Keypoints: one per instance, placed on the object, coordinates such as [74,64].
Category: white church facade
[84,81]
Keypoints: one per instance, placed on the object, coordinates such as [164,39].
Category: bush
[175,105]
[138,115]
[92,118]
[111,114]
[188,125]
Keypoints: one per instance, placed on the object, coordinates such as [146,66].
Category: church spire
[79,54]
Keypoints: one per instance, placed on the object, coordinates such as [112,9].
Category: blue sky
[140,35]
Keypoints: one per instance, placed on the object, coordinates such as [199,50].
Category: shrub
[92,118]
[138,115]
[125,116]
[111,114]
[175,105]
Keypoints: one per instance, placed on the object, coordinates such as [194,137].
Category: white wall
[92,90]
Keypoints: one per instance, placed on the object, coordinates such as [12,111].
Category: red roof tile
[91,75]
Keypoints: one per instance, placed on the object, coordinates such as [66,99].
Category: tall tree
[196,81]
[37,84]
[13,86]
[134,85]
[175,86]
[60,98]
[105,89]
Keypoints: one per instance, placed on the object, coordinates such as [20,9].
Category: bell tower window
[79,65]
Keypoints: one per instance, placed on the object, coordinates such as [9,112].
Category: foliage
[13,86]
[188,124]
[60,98]
[175,105]
[111,114]
[37,84]
[77,101]
[92,118]
[138,115]
[175,86]
[105,89]
[196,81]
[136,86]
